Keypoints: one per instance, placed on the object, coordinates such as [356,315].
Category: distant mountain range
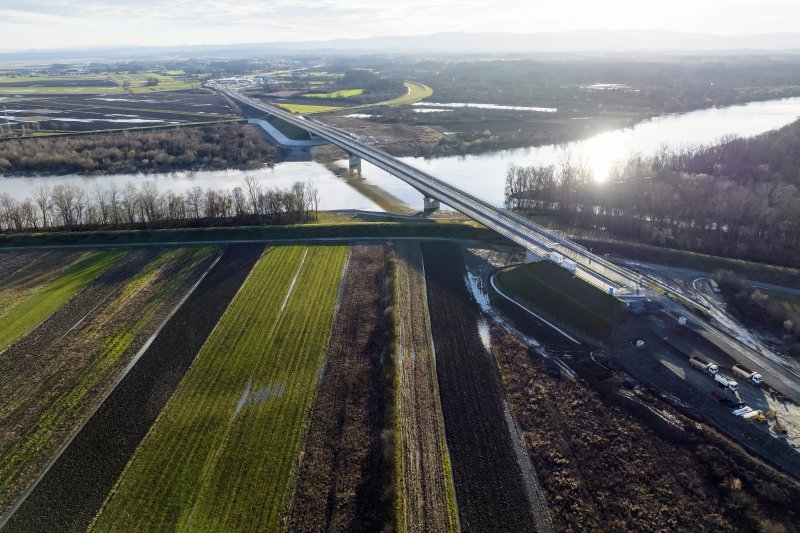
[579,41]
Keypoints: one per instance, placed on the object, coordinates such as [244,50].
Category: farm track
[489,485]
[342,476]
[426,497]
[223,453]
[73,489]
[66,375]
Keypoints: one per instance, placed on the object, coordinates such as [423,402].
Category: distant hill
[579,41]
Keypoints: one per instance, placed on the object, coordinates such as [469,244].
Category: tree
[152,81]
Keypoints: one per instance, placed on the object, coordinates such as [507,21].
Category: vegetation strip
[223,452]
[22,318]
[112,319]
[426,497]
[488,481]
[343,477]
[72,491]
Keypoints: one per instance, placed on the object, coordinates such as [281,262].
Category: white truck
[569,264]
[703,364]
[556,257]
[726,382]
[746,373]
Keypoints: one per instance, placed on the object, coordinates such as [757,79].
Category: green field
[344,93]
[62,90]
[222,454]
[27,314]
[62,402]
[557,295]
[304,109]
[138,82]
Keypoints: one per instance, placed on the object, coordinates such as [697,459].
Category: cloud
[71,23]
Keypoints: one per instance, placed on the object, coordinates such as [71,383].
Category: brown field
[490,488]
[426,498]
[343,476]
[612,460]
[68,362]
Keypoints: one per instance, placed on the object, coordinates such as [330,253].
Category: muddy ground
[612,457]
[490,490]
[72,491]
[343,475]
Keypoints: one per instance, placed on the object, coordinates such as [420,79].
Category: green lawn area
[326,228]
[557,295]
[62,90]
[221,456]
[343,93]
[28,313]
[304,109]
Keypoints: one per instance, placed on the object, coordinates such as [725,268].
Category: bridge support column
[354,163]
[431,204]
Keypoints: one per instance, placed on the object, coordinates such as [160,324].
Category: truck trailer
[704,364]
[746,373]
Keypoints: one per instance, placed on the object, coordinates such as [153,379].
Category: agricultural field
[148,82]
[345,470]
[611,459]
[70,359]
[304,109]
[223,452]
[58,85]
[28,306]
[73,489]
[489,484]
[425,493]
[48,114]
[342,93]
[557,295]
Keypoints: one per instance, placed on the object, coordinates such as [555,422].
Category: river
[482,175]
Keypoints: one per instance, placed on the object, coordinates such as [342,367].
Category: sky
[29,24]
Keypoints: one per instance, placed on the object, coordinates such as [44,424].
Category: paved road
[516,228]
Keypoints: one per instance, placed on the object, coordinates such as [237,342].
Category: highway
[524,232]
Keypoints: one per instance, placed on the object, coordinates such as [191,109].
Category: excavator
[776,425]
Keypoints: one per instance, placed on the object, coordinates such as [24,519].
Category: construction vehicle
[703,364]
[726,382]
[776,426]
[756,416]
[750,375]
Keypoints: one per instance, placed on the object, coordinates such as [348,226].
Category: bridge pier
[531,257]
[354,163]
[431,204]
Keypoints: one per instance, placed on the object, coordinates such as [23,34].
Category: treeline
[738,198]
[755,308]
[71,207]
[214,147]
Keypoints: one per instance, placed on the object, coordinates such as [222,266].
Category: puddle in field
[268,392]
[243,400]
[483,331]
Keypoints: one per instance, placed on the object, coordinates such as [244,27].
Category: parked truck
[746,373]
[726,382]
[703,364]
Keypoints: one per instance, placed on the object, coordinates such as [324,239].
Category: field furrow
[489,485]
[222,454]
[75,486]
[343,474]
[31,309]
[67,372]
[426,497]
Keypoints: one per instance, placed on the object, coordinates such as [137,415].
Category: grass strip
[222,454]
[29,313]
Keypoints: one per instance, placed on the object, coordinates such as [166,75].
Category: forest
[738,198]
[215,147]
[71,207]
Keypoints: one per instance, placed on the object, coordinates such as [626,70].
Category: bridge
[537,240]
